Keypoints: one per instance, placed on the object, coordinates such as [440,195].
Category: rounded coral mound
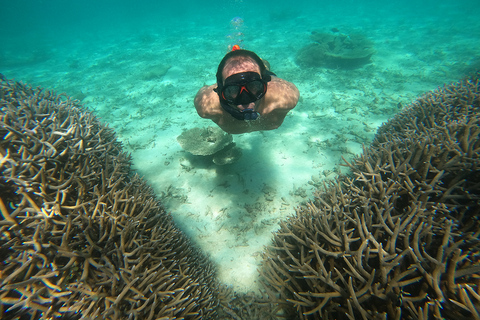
[336,50]
[210,141]
[204,141]
[399,238]
[80,234]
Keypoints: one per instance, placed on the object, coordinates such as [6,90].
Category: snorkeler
[239,102]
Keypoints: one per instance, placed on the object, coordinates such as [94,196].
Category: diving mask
[243,88]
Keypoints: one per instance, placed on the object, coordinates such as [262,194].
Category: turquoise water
[65,45]
[139,64]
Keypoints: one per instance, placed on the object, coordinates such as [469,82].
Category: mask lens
[230,93]
[257,88]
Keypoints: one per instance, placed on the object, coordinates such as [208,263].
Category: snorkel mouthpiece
[249,114]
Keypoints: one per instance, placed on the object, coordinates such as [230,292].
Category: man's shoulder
[206,90]
[207,103]
[284,93]
[282,84]
[205,96]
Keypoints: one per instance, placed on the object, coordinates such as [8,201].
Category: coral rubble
[399,238]
[80,234]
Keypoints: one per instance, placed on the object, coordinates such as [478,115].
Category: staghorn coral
[81,235]
[251,306]
[399,238]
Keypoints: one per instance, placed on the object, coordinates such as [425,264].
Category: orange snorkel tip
[236,47]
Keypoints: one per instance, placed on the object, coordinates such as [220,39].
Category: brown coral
[243,306]
[80,234]
[399,239]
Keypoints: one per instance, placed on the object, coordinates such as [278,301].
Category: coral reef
[81,235]
[210,141]
[336,50]
[399,237]
[245,306]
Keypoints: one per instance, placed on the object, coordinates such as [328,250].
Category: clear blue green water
[138,65]
[56,36]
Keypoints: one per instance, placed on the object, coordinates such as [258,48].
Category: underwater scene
[119,200]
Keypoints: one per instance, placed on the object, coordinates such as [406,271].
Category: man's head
[240,61]
[241,82]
